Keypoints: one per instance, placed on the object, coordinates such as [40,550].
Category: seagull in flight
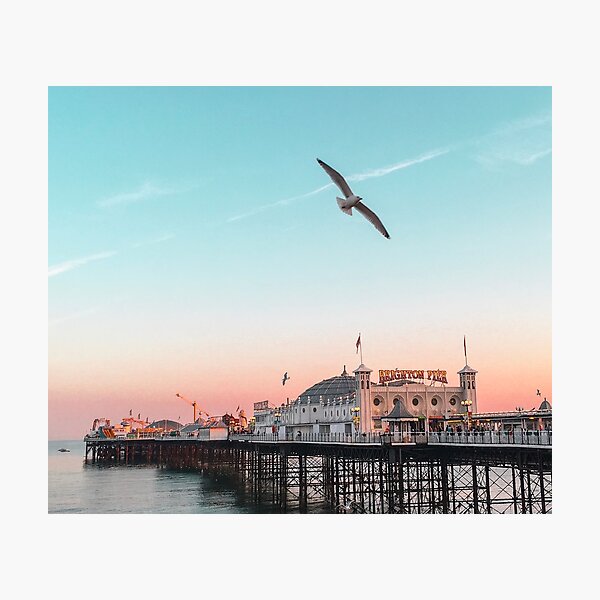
[285,378]
[351,201]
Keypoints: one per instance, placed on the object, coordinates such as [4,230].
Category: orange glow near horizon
[505,380]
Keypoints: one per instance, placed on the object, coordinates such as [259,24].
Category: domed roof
[334,388]
[166,424]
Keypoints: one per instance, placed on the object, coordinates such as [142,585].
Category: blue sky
[184,219]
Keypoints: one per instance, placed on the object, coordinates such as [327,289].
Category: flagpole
[465,341]
[360,338]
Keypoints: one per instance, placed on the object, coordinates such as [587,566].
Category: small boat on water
[64,450]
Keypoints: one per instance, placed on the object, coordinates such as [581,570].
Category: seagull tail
[341,203]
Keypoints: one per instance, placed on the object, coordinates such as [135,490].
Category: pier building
[349,403]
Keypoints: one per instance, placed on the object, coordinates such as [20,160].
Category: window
[396,400]
[415,401]
[473,384]
[469,384]
[362,384]
[433,401]
[338,413]
[303,410]
[315,409]
[377,402]
[453,401]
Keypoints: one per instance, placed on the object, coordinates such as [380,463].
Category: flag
[130,411]
[139,415]
[357,343]
[465,345]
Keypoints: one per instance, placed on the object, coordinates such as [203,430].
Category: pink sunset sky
[196,246]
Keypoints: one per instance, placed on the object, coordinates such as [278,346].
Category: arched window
[396,400]
[315,409]
[415,402]
[452,401]
[433,401]
[377,401]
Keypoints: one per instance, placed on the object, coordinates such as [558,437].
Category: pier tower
[467,383]
[363,398]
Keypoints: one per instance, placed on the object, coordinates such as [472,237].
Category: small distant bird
[538,393]
[351,201]
[285,378]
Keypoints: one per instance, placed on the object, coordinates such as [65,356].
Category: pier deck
[428,473]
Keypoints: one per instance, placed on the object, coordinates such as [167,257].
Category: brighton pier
[357,446]
[486,472]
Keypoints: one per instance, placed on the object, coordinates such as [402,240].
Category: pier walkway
[472,438]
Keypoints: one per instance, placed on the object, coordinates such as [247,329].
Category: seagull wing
[337,179]
[368,214]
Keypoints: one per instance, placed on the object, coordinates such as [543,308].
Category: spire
[344,373]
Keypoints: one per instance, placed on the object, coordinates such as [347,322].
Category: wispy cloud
[530,122]
[259,209]
[80,313]
[77,262]
[522,142]
[162,238]
[530,159]
[381,171]
[378,172]
[146,191]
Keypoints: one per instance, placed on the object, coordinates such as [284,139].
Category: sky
[196,246]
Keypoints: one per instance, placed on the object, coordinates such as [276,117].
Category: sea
[76,487]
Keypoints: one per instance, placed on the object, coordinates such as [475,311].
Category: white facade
[330,405]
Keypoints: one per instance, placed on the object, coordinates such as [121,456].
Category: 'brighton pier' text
[393,374]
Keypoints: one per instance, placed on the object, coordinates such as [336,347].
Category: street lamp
[467,403]
[276,416]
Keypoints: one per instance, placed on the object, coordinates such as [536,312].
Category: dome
[166,424]
[343,385]
[545,405]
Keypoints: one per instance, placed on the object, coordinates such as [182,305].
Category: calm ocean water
[74,487]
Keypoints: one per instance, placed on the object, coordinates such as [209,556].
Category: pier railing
[521,438]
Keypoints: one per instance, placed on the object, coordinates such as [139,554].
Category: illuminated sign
[264,405]
[395,374]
